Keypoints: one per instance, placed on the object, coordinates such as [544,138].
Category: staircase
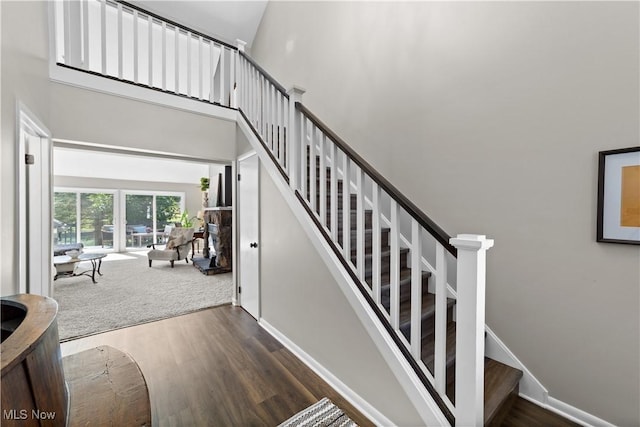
[501,383]
[378,235]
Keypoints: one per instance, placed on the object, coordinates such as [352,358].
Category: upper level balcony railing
[119,40]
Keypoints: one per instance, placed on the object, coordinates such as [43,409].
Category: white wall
[96,164]
[300,298]
[24,74]
[489,116]
[88,116]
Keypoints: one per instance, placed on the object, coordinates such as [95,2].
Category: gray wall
[300,298]
[489,116]
[24,72]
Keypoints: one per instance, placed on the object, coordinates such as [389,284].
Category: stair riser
[368,239]
[405,291]
[428,325]
[384,263]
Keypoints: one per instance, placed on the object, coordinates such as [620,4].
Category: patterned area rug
[321,414]
[130,293]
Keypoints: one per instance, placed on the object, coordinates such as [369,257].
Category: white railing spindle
[85,34]
[164,56]
[150,23]
[221,65]
[103,36]
[200,66]
[360,252]
[333,192]
[440,348]
[120,49]
[416,289]
[322,141]
[346,209]
[177,57]
[136,60]
[394,268]
[376,243]
[189,76]
[313,168]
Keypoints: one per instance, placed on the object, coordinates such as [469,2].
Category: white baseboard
[352,397]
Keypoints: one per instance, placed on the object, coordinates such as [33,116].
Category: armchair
[177,247]
[107,234]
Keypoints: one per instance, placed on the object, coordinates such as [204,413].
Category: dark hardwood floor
[217,367]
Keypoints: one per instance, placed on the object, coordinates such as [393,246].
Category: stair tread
[526,414]
[499,382]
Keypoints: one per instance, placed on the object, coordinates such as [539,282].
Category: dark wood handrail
[175,24]
[273,81]
[422,218]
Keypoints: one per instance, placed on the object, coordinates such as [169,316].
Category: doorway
[34,204]
[249,231]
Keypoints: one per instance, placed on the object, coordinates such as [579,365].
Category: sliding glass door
[149,216]
[114,220]
[82,216]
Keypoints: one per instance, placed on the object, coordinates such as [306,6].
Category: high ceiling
[225,20]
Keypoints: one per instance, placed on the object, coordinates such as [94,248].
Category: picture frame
[619,196]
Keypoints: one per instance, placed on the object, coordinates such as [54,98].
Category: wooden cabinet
[219,228]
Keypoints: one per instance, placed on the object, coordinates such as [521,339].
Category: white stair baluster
[189,54]
[221,63]
[322,141]
[136,60]
[375,243]
[346,209]
[333,204]
[416,289]
[313,138]
[120,49]
[200,65]
[177,59]
[85,34]
[164,56]
[440,348]
[150,22]
[394,237]
[360,253]
[103,35]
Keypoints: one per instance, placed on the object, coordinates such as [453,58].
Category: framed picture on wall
[619,196]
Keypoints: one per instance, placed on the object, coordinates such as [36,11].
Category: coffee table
[66,260]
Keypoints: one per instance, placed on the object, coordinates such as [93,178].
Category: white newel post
[470,309]
[293,133]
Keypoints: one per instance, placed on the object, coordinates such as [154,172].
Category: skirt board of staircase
[106,387]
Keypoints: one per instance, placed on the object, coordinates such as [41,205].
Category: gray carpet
[131,293]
